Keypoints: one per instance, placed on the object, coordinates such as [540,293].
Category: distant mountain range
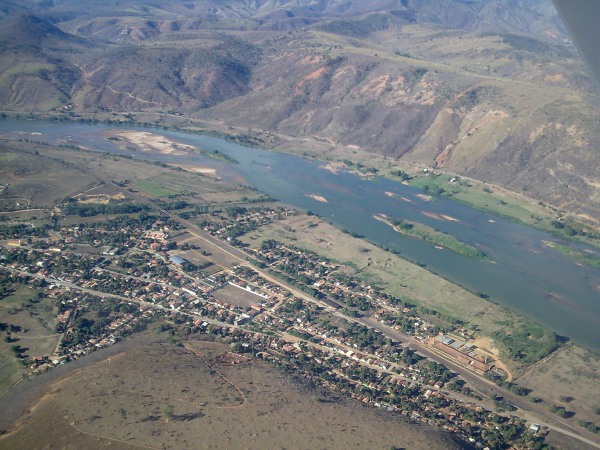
[491,89]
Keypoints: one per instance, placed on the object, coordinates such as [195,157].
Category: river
[524,275]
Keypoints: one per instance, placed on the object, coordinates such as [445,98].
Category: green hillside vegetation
[428,234]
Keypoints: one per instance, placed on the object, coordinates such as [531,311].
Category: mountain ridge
[430,83]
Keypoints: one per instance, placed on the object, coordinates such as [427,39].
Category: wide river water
[524,275]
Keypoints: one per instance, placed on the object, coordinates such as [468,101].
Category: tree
[168,412]
[123,414]
[17,350]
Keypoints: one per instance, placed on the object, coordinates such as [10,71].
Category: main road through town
[527,409]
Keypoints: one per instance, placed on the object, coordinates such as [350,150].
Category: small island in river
[425,233]
[318,198]
[145,141]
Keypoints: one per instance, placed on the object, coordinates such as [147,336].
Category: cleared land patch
[552,379]
[155,189]
[235,295]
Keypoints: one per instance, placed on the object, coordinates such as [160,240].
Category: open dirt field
[155,395]
[196,257]
[237,296]
[212,254]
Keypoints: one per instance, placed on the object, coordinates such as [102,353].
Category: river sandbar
[318,198]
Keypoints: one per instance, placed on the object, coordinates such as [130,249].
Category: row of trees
[98,209]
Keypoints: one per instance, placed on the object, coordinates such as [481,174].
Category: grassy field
[36,322]
[10,368]
[39,181]
[568,378]
[155,189]
[212,403]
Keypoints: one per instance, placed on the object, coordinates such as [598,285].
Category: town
[110,278]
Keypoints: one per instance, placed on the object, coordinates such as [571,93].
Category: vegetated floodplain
[591,259]
[425,233]
[480,196]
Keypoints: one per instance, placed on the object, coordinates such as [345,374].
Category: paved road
[125,299]
[528,410]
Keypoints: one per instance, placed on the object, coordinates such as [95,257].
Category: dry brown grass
[569,377]
[84,409]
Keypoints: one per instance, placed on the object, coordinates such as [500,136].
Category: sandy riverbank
[145,141]
[150,142]
[208,171]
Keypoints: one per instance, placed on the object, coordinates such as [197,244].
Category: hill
[477,88]
[36,71]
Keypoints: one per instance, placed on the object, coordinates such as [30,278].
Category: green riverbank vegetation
[510,205]
[589,258]
[526,341]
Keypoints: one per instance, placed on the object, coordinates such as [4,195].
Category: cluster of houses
[241,220]
[278,327]
[72,306]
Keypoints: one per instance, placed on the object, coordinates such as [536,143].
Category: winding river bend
[524,276]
